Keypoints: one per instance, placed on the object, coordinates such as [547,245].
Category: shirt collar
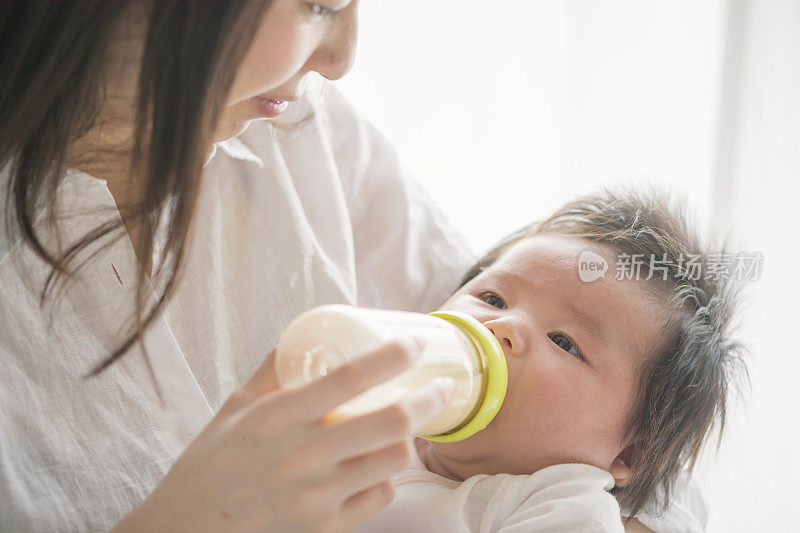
[237,149]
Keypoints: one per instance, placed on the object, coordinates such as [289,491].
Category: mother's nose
[335,54]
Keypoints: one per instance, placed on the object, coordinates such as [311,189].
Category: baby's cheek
[553,414]
[535,400]
[550,402]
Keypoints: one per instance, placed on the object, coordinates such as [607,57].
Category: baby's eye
[493,300]
[566,344]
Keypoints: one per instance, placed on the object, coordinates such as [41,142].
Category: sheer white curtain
[754,479]
[505,109]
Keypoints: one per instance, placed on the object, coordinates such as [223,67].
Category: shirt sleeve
[568,497]
[407,254]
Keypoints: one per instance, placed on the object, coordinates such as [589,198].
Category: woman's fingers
[359,508]
[373,452]
[321,396]
[367,433]
[362,472]
[362,452]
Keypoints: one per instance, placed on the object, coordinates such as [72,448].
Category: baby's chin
[495,451]
[486,452]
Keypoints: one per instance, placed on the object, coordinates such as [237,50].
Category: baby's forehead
[551,254]
[549,266]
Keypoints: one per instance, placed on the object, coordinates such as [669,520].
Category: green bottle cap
[495,370]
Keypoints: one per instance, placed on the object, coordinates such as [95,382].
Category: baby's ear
[619,468]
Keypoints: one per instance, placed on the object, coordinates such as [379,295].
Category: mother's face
[296,37]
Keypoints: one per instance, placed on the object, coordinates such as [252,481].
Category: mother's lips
[278,99]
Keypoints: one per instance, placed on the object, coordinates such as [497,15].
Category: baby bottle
[456,345]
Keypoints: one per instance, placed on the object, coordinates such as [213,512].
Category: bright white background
[504,109]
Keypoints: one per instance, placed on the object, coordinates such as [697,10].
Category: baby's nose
[505,342]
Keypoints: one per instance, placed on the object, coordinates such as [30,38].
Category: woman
[139,290]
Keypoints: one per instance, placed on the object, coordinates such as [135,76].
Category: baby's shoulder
[568,497]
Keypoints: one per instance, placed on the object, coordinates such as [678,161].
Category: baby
[614,382]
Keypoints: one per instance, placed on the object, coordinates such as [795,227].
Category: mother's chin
[234,120]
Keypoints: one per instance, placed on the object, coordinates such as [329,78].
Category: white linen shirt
[315,213]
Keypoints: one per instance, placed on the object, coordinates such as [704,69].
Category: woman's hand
[269,461]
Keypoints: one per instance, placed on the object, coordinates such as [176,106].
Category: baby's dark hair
[682,390]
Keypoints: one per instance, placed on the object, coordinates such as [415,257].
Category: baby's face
[573,349]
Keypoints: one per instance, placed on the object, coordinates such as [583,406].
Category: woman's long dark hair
[53,63]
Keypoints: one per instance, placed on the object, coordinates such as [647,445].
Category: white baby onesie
[568,497]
